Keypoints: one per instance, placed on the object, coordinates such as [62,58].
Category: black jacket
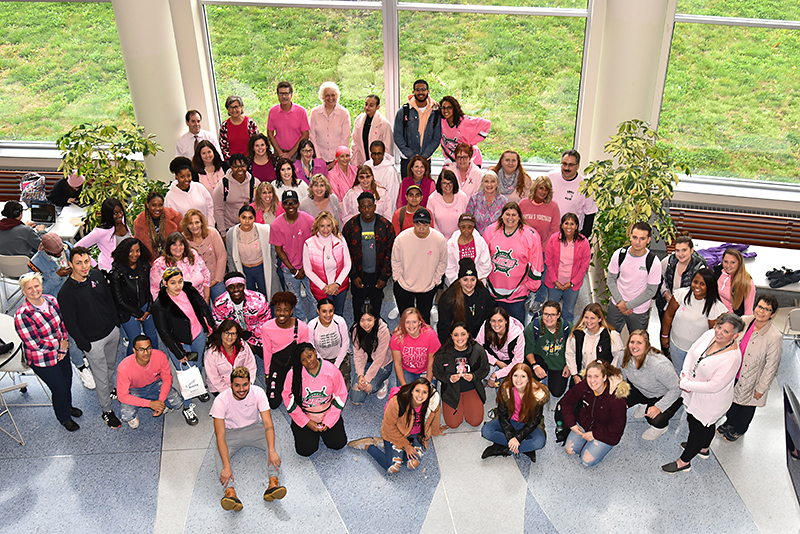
[444,366]
[131,290]
[88,309]
[62,192]
[505,421]
[476,310]
[173,325]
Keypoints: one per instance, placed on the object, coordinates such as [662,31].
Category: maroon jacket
[603,414]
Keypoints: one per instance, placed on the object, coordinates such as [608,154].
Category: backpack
[226,183]
[33,189]
[623,252]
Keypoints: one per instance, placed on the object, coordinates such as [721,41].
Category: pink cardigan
[580,261]
[218,368]
[106,241]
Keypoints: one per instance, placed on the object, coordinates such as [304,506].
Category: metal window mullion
[737,21]
[493,10]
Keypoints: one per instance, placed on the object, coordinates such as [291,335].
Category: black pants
[556,383]
[661,420]
[700,437]
[58,378]
[369,291]
[421,301]
[306,441]
[739,417]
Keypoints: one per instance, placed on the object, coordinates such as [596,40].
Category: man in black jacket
[91,319]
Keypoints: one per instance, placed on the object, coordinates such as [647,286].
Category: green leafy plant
[108,156]
[633,186]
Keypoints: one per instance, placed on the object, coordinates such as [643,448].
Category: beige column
[154,76]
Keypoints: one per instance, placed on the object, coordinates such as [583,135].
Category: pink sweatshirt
[324,396]
[132,375]
[419,264]
[516,262]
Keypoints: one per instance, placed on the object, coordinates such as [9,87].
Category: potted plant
[635,185]
[107,156]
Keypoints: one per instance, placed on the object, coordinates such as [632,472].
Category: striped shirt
[41,331]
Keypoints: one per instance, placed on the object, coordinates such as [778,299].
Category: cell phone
[191,356]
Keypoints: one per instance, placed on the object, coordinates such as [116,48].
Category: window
[731,103]
[761,9]
[60,65]
[573,4]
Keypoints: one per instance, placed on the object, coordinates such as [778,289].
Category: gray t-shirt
[368,245]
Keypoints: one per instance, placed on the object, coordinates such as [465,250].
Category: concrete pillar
[154,76]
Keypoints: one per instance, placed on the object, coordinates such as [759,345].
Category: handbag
[191,381]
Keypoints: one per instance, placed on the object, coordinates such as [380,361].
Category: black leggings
[700,437]
[556,383]
[306,441]
[661,420]
[739,417]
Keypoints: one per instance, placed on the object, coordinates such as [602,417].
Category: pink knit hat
[75,181]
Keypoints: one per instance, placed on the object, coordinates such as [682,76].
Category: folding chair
[11,268]
[791,330]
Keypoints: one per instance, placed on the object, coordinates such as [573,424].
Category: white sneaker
[394,314]
[86,377]
[652,433]
[384,390]
[641,411]
[134,423]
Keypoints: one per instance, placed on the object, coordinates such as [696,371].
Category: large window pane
[573,4]
[732,101]
[759,9]
[520,72]
[60,65]
[254,48]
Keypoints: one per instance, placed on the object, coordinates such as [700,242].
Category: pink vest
[317,266]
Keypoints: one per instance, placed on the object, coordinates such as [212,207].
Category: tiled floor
[161,478]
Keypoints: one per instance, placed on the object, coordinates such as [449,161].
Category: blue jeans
[568,297]
[133,328]
[255,279]
[358,397]
[514,309]
[293,286]
[150,392]
[389,455]
[216,290]
[677,356]
[590,452]
[338,303]
[75,354]
[532,442]
[198,345]
[541,293]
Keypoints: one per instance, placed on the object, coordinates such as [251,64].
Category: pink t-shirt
[293,236]
[416,428]
[634,277]
[447,214]
[274,338]
[415,352]
[517,405]
[182,300]
[544,218]
[467,251]
[240,413]
[287,125]
[565,261]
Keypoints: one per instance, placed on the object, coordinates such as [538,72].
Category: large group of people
[261,239]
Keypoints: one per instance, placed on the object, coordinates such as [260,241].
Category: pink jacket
[218,368]
[471,130]
[106,241]
[381,130]
[580,261]
[313,252]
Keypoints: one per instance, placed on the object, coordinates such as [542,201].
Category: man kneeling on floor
[144,380]
[236,412]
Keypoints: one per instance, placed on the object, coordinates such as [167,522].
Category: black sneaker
[673,468]
[189,415]
[205,397]
[75,412]
[113,394]
[70,425]
[111,419]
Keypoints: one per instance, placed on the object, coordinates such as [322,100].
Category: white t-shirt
[240,413]
[569,200]
[634,277]
[690,323]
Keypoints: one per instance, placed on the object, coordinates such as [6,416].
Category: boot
[274,490]
[230,501]
[495,450]
[531,455]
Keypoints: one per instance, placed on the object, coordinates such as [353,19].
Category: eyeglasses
[550,314]
[143,349]
[462,157]
[232,333]
[282,94]
[762,308]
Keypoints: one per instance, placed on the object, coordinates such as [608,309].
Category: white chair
[791,330]
[13,365]
[11,268]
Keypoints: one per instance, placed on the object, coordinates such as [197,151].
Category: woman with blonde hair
[593,338]
[326,261]
[207,242]
[365,181]
[539,210]
[487,203]
[514,182]
[737,290]
[520,406]
[321,198]
[267,204]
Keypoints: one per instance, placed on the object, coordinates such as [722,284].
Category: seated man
[236,412]
[144,380]
[248,308]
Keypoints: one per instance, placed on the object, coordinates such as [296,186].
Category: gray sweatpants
[103,363]
[248,436]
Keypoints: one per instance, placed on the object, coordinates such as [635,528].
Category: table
[63,227]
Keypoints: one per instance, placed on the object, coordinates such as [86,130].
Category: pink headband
[234,280]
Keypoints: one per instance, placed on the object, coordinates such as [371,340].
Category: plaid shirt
[41,332]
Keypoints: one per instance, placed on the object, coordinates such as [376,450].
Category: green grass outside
[730,106]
